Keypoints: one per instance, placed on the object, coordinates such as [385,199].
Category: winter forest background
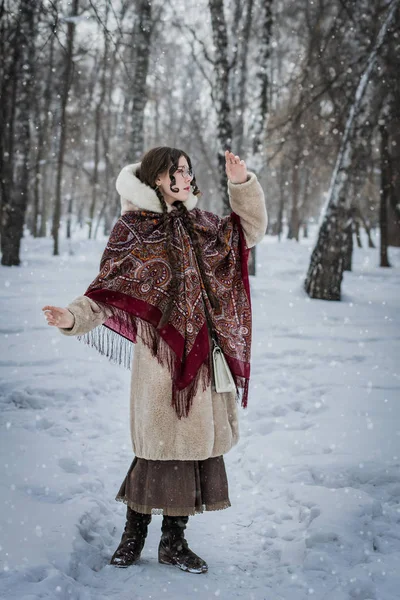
[308,93]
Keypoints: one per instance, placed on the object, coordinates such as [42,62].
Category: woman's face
[183,177]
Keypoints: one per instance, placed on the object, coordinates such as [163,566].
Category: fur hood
[137,195]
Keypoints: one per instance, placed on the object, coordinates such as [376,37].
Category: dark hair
[161,159]
[155,162]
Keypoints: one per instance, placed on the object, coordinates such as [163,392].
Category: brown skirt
[175,487]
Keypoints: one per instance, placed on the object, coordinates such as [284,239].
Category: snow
[314,481]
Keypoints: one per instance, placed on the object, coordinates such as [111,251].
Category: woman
[173,280]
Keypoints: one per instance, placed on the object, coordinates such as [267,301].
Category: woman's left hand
[236,169]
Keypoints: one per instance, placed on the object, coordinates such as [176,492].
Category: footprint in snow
[26,398]
[42,424]
[70,465]
[43,494]
[94,545]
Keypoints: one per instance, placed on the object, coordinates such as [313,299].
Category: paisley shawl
[134,282]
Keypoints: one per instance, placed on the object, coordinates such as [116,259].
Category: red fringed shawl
[134,283]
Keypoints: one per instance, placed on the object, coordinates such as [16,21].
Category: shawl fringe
[182,399]
[119,350]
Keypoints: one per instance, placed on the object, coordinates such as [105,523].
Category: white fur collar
[138,195]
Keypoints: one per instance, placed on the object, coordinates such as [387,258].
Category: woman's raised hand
[59,317]
[236,169]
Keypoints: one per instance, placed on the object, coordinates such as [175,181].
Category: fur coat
[211,428]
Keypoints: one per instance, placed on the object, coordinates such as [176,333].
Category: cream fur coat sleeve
[248,202]
[211,428]
[88,315]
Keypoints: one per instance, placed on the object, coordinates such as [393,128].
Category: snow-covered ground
[314,481]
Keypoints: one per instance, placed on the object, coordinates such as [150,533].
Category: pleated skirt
[175,487]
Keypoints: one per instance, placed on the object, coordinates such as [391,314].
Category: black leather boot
[174,549]
[133,538]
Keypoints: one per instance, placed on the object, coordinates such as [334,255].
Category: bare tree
[68,72]
[16,167]
[40,207]
[221,92]
[278,78]
[141,46]
[327,261]
[239,87]
[98,117]
[262,76]
[258,158]
[386,177]
[391,82]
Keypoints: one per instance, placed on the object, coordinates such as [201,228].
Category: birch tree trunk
[221,94]
[243,72]
[258,158]
[63,124]
[325,272]
[138,88]
[263,82]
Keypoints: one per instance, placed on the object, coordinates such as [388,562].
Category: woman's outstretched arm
[79,317]
[246,199]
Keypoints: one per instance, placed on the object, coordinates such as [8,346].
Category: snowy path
[314,481]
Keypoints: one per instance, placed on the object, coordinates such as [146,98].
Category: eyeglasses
[185,172]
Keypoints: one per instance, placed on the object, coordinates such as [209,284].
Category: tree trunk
[97,124]
[108,136]
[393,124]
[384,195]
[69,215]
[348,255]
[240,110]
[327,260]
[16,201]
[358,233]
[221,94]
[45,127]
[325,272]
[138,91]
[40,230]
[263,79]
[258,157]
[63,124]
[305,201]
[36,180]
[367,228]
[243,72]
[281,202]
[294,224]
[10,47]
